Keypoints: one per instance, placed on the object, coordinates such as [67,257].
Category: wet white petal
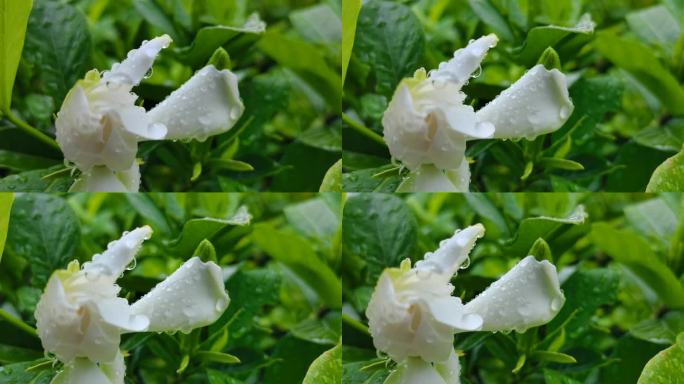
[193,296]
[452,252]
[84,371]
[414,370]
[450,370]
[102,179]
[119,253]
[449,310]
[135,120]
[138,63]
[536,104]
[465,61]
[207,104]
[427,178]
[528,295]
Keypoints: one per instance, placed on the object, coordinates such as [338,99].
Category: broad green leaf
[629,356]
[318,24]
[293,358]
[217,357]
[628,248]
[553,357]
[45,231]
[61,59]
[332,181]
[38,181]
[306,168]
[656,26]
[561,38]
[663,330]
[6,200]
[653,219]
[208,39]
[390,39]
[585,291]
[298,255]
[634,57]
[553,377]
[196,230]
[669,137]
[16,161]
[666,367]
[13,21]
[220,377]
[155,15]
[350,13]
[148,209]
[381,179]
[483,206]
[327,330]
[353,372]
[488,13]
[544,227]
[25,373]
[380,229]
[669,176]
[11,354]
[327,368]
[288,51]
[313,218]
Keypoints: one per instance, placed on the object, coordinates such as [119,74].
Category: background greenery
[289,76]
[283,320]
[626,83]
[620,259]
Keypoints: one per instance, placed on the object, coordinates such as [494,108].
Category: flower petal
[84,371]
[138,63]
[119,253]
[135,120]
[415,370]
[452,252]
[450,370]
[465,61]
[527,296]
[536,104]
[430,179]
[103,179]
[193,296]
[207,104]
[449,310]
[117,312]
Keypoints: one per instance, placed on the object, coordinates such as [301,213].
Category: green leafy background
[283,322]
[625,80]
[620,259]
[289,76]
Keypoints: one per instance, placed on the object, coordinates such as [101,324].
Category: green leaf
[541,250]
[154,14]
[553,357]
[206,251]
[230,165]
[37,181]
[220,377]
[544,227]
[220,59]
[327,368]
[663,330]
[641,62]
[654,219]
[327,330]
[656,26]
[6,200]
[553,377]
[380,229]
[390,39]
[350,13]
[669,176]
[318,24]
[332,181]
[21,373]
[16,161]
[666,367]
[44,230]
[148,209]
[313,218]
[585,291]
[293,358]
[372,179]
[634,252]
[298,255]
[307,61]
[196,230]
[552,36]
[554,163]
[550,59]
[11,354]
[58,44]
[669,137]
[217,357]
[483,206]
[208,39]
[13,21]
[488,13]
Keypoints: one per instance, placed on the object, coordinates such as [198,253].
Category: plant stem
[18,323]
[362,129]
[24,126]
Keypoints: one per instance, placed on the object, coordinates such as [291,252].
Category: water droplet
[466,263]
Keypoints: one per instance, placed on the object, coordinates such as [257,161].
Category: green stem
[18,323]
[24,126]
[362,129]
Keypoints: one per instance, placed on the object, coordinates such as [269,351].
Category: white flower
[412,316]
[428,124]
[80,318]
[99,125]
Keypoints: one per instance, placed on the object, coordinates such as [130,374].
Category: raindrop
[477,73]
[132,264]
[466,263]
[148,74]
